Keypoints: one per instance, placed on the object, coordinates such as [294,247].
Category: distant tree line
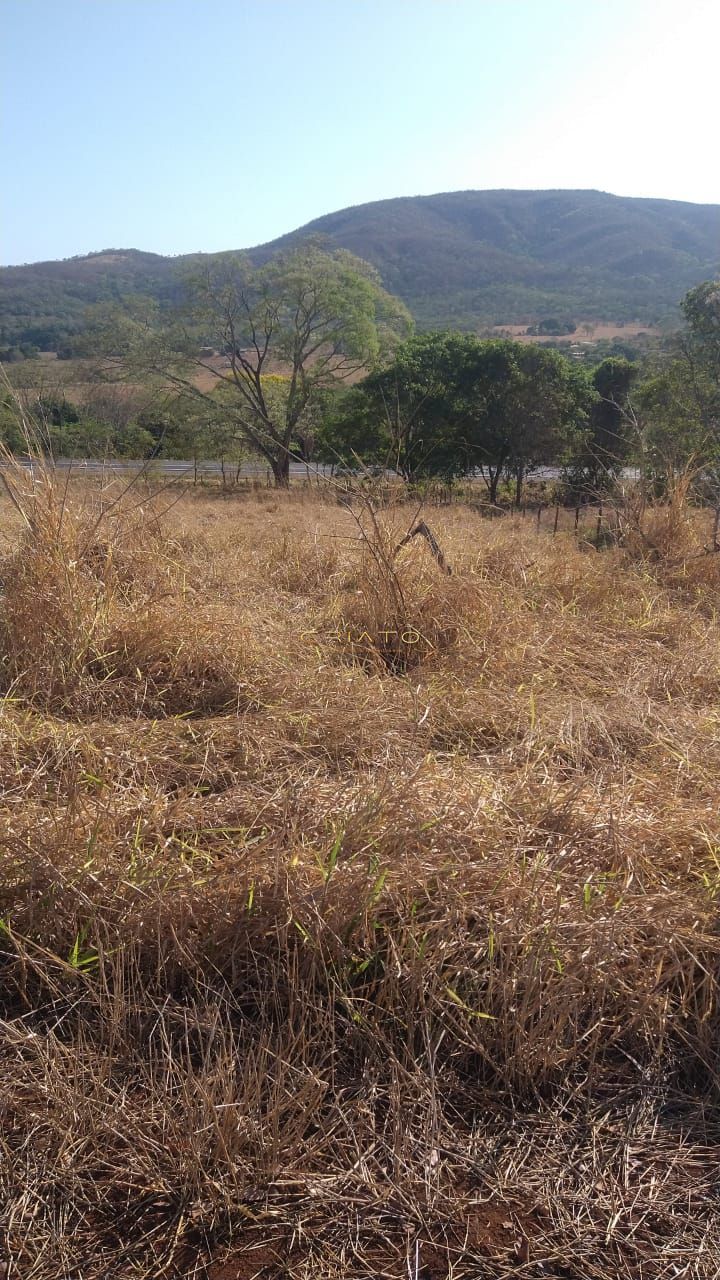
[552,327]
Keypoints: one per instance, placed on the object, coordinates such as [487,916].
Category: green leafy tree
[487,438]
[548,402]
[701,308]
[449,403]
[611,439]
[83,438]
[700,353]
[523,406]
[673,433]
[11,425]
[316,318]
[351,433]
[133,441]
[180,427]
[408,416]
[679,399]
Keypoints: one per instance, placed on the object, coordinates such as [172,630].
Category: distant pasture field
[78,379]
[596,332]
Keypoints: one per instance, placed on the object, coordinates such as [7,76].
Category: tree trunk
[519,477]
[281,470]
[492,483]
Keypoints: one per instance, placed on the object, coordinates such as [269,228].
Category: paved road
[169,467]
[248,471]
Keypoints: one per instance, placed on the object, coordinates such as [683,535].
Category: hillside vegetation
[358,919]
[469,257]
[463,259]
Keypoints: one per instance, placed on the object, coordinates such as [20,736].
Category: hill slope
[464,258]
[516,255]
[44,302]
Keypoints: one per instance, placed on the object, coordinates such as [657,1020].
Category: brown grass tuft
[397,610]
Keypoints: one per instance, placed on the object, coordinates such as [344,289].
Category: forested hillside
[463,259]
[43,304]
[470,257]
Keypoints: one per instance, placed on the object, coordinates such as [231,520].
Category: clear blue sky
[183,125]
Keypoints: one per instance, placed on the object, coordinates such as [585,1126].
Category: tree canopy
[449,403]
[679,398]
[311,319]
[610,438]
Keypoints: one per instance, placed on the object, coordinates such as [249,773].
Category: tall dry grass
[325,956]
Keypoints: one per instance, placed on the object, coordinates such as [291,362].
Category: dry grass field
[359,921]
[594,331]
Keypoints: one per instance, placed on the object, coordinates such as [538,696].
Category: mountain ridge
[464,258]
